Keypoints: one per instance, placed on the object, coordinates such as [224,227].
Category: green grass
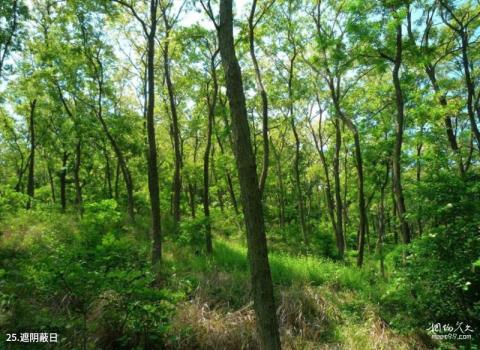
[286,269]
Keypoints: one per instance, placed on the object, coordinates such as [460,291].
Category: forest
[250,174]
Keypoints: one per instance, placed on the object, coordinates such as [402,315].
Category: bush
[11,201]
[91,282]
[101,218]
[438,281]
[192,232]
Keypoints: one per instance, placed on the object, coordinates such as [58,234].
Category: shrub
[11,201]
[438,280]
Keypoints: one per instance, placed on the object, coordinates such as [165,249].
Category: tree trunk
[298,187]
[52,183]
[263,94]
[381,221]
[328,188]
[76,177]
[31,165]
[397,151]
[192,189]
[262,285]
[177,181]
[419,174]
[470,86]
[153,183]
[361,197]
[281,187]
[340,239]
[117,178]
[108,174]
[452,139]
[296,165]
[231,190]
[211,102]
[63,181]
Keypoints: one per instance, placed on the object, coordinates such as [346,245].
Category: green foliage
[100,219]
[11,201]
[192,232]
[438,280]
[65,275]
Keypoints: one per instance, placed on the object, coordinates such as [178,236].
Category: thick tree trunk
[31,165]
[262,285]
[397,151]
[153,183]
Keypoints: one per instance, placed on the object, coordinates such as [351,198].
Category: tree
[149,29]
[31,164]
[264,303]
[11,13]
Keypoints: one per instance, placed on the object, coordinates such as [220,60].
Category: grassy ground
[322,304]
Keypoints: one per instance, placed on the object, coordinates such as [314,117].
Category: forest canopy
[219,174]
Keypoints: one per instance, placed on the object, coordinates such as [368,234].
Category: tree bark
[296,165]
[31,165]
[76,177]
[230,188]
[52,183]
[281,187]
[211,103]
[63,182]
[397,151]
[177,181]
[340,239]
[359,165]
[153,184]
[328,188]
[381,220]
[262,285]
[263,94]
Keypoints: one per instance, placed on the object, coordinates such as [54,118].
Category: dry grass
[371,332]
[199,327]
[309,318]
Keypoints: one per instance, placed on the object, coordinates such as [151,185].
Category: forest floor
[322,304]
